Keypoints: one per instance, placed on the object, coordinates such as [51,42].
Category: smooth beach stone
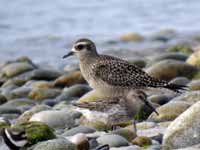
[169,111]
[38,84]
[29,113]
[180,80]
[184,131]
[159,99]
[21,92]
[3,99]
[173,56]
[142,141]
[186,49]
[113,140]
[81,141]
[154,131]
[54,118]
[132,147]
[7,90]
[20,103]
[42,93]
[131,37]
[191,97]
[194,59]
[194,85]
[45,74]
[14,69]
[55,144]
[70,79]
[79,129]
[126,133]
[193,147]
[169,69]
[154,147]
[12,81]
[9,110]
[76,90]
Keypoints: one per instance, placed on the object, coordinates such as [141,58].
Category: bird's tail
[176,87]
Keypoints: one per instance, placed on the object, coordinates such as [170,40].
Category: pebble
[79,129]
[113,140]
[54,118]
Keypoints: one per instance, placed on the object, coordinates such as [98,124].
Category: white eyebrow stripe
[81,43]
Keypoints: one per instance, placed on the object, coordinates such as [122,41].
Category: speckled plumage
[112,76]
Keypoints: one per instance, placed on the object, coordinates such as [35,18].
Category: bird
[113,76]
[116,110]
[14,138]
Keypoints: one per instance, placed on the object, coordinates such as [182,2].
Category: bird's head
[82,48]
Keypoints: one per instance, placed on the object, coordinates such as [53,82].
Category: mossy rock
[194,85]
[36,131]
[197,75]
[181,48]
[134,37]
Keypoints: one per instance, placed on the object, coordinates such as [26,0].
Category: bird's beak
[69,54]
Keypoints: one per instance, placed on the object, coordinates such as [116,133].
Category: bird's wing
[121,73]
[101,106]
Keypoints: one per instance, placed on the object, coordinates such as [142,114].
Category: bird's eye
[80,47]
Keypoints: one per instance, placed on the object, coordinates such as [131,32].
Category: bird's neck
[88,59]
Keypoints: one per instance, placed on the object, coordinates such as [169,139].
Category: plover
[116,110]
[113,76]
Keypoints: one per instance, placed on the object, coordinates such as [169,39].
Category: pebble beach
[37,97]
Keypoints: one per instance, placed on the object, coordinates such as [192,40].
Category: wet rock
[25,117]
[169,111]
[159,99]
[81,141]
[40,84]
[4,123]
[21,92]
[79,129]
[9,110]
[142,141]
[194,59]
[70,79]
[194,85]
[14,69]
[180,80]
[172,69]
[13,82]
[21,104]
[194,147]
[191,97]
[56,144]
[6,91]
[76,90]
[131,37]
[112,140]
[181,48]
[126,133]
[54,118]
[184,131]
[3,99]
[41,93]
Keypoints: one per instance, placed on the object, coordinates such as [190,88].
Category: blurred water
[42,29]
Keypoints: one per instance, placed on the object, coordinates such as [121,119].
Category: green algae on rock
[36,131]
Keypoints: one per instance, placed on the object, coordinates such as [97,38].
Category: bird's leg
[134,127]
